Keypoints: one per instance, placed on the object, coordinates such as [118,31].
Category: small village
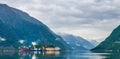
[39,48]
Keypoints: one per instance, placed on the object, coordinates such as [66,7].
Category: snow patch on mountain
[2,39]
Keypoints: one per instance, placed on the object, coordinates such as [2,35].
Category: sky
[90,19]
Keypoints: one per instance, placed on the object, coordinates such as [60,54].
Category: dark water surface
[58,55]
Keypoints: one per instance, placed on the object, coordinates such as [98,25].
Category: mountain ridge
[20,25]
[110,42]
[76,42]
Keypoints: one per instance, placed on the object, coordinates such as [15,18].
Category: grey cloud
[102,15]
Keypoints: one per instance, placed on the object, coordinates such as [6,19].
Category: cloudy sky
[90,19]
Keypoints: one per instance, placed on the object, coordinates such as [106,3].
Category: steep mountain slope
[110,43]
[76,42]
[16,25]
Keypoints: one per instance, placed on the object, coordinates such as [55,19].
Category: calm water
[58,55]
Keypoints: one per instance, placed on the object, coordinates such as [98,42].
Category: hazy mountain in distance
[76,42]
[94,42]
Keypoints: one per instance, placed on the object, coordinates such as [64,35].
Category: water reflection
[39,54]
[114,56]
[86,55]
[58,55]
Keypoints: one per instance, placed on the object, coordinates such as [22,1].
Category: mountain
[76,42]
[112,42]
[94,42]
[17,26]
